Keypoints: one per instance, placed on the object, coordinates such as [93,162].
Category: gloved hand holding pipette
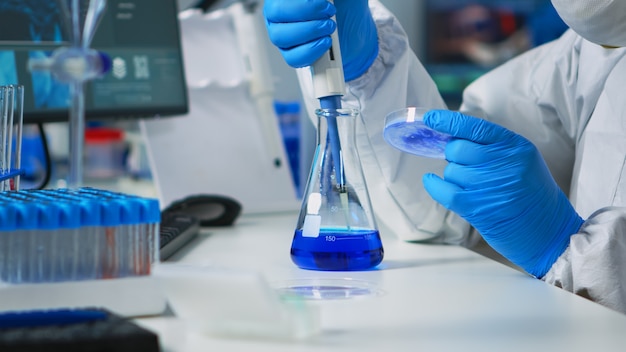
[498,181]
[301,30]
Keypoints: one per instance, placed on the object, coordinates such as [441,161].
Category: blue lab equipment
[76,234]
[288,114]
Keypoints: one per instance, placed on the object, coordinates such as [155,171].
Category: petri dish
[327,289]
[405,130]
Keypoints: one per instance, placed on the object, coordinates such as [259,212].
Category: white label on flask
[311,227]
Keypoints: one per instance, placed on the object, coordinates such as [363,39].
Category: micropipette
[329,86]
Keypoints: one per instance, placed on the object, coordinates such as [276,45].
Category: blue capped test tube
[68,235]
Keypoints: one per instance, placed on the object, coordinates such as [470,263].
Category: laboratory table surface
[421,298]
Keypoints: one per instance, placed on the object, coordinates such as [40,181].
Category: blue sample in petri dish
[338,249]
[406,131]
[324,288]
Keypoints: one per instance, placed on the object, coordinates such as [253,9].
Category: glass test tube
[11,120]
[4,122]
[19,123]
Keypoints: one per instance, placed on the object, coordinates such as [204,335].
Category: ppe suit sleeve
[593,265]
[395,80]
[533,95]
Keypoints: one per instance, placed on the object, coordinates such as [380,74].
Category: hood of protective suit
[600,21]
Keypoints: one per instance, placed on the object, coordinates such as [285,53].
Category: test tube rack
[71,248]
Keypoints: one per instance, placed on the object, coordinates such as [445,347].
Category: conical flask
[336,228]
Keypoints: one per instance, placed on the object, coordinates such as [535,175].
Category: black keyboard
[176,230]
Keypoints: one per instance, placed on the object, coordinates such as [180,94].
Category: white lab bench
[427,298]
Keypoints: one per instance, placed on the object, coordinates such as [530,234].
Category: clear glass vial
[336,229]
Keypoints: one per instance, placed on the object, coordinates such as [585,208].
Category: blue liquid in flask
[338,249]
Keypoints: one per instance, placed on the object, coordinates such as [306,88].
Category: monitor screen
[466,38]
[141,37]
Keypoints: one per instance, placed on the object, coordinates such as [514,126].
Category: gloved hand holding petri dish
[406,131]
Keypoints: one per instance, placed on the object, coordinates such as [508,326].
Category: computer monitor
[140,36]
[451,25]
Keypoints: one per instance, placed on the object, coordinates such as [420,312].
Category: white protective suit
[567,97]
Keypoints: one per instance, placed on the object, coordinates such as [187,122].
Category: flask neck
[336,121]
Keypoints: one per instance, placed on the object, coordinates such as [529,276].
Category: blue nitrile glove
[498,181]
[301,30]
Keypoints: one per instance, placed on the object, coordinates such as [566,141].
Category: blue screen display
[141,37]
